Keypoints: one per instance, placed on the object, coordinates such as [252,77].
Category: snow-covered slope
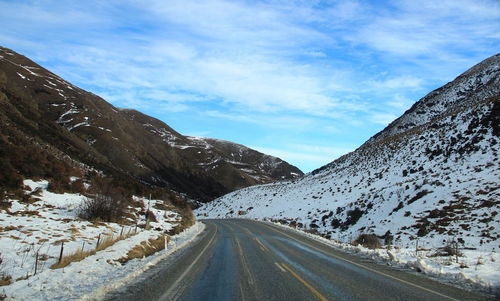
[476,84]
[261,167]
[35,232]
[432,175]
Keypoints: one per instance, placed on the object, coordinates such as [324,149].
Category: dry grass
[9,228]
[146,248]
[27,213]
[75,257]
[5,280]
[79,255]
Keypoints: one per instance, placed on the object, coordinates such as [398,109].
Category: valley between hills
[93,196]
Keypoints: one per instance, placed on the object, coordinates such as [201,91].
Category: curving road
[249,260]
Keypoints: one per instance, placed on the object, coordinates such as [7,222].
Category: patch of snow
[104,129]
[37,228]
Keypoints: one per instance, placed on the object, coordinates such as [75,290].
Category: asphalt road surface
[248,260]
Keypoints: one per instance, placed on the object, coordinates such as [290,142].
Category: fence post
[36,262]
[121,233]
[83,246]
[61,254]
[98,240]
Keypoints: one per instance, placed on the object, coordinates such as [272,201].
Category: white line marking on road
[362,266]
[280,267]
[187,270]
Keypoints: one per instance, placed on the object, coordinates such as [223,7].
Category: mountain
[433,174]
[44,113]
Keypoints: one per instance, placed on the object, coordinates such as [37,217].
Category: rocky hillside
[432,175]
[42,113]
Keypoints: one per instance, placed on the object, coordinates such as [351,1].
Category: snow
[84,123]
[40,225]
[104,129]
[21,76]
[72,110]
[466,88]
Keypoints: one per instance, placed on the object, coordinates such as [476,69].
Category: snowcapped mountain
[433,175]
[41,111]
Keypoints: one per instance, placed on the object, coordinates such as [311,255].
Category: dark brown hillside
[41,111]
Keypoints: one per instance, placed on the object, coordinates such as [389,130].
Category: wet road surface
[249,260]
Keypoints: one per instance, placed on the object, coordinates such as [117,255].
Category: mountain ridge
[40,106]
[483,75]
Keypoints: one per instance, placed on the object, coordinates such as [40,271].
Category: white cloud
[400,102]
[269,121]
[382,118]
[305,157]
[296,66]
[430,28]
[396,83]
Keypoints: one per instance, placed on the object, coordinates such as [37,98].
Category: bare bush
[450,249]
[102,207]
[370,241]
[105,202]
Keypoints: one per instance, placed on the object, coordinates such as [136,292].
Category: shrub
[188,218]
[102,207]
[77,186]
[352,217]
[388,238]
[105,203]
[368,240]
[59,184]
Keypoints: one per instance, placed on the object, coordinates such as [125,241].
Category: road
[249,260]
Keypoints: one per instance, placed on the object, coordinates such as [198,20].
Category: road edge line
[362,266]
[188,269]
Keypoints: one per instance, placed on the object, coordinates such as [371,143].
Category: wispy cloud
[322,66]
[312,157]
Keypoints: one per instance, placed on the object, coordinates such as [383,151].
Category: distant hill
[433,174]
[44,118]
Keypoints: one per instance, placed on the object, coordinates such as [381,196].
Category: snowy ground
[38,227]
[475,270]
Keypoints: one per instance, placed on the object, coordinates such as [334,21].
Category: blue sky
[306,81]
